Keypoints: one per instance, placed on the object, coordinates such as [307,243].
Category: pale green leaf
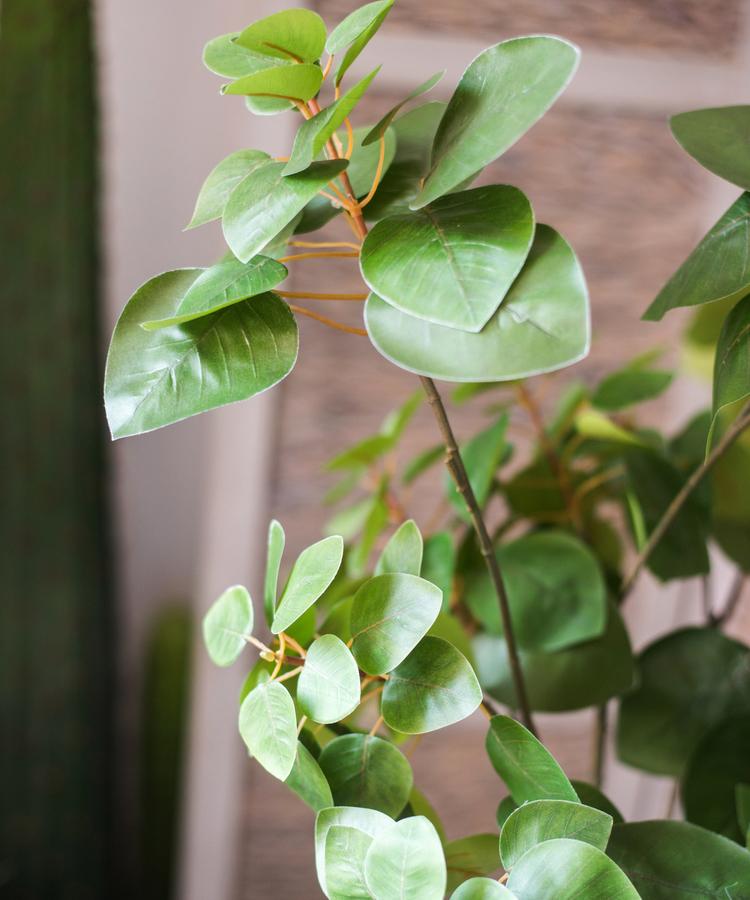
[300,83]
[595,425]
[227,625]
[719,139]
[296,34]
[406,861]
[481,889]
[328,686]
[380,129]
[274,552]
[403,552]
[308,781]
[345,852]
[312,573]
[220,183]
[355,32]
[268,726]
[224,56]
[368,821]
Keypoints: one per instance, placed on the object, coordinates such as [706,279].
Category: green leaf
[718,268]
[296,34]
[274,552]
[384,124]
[732,365]
[679,861]
[439,563]
[267,106]
[481,889]
[328,686]
[542,325]
[544,820]
[222,285]
[224,56]
[308,781]
[720,761]
[432,688]
[364,770]
[406,861]
[362,454]
[730,510]
[391,613]
[156,378]
[528,769]
[475,855]
[592,796]
[345,852]
[504,809]
[502,93]
[450,629]
[630,386]
[719,139]
[265,201]
[280,82]
[227,625]
[368,821]
[220,183]
[403,552]
[569,870]
[422,462]
[314,133]
[587,674]
[268,726]
[482,457]
[451,263]
[419,805]
[259,674]
[312,573]
[689,681]
[355,32]
[592,424]
[742,799]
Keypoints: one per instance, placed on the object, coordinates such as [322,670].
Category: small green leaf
[629,386]
[265,201]
[451,263]
[268,726]
[481,889]
[718,138]
[406,861]
[227,625]
[224,56]
[312,573]
[542,325]
[403,552]
[308,781]
[156,378]
[220,183]
[528,769]
[364,453]
[355,32]
[222,285]
[328,686]
[432,688]
[274,552]
[732,365]
[595,425]
[368,821]
[296,34]
[345,852]
[391,613]
[569,870]
[544,820]
[259,674]
[280,82]
[502,93]
[592,796]
[384,124]
[475,855]
[439,563]
[364,770]
[482,457]
[422,462]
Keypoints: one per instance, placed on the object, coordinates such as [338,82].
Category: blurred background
[121,773]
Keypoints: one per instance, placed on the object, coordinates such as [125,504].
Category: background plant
[463,285]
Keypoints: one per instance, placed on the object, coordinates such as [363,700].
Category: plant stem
[730,436]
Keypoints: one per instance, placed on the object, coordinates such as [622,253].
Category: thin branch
[326,245]
[378,174]
[310,295]
[324,320]
[323,254]
[327,69]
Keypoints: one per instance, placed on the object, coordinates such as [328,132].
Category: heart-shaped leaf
[542,325]
[328,686]
[224,178]
[308,781]
[355,32]
[224,56]
[406,861]
[293,34]
[268,726]
[380,129]
[502,93]
[481,889]
[719,139]
[156,378]
[279,82]
[403,552]
[732,364]
[432,688]
[452,262]
[368,821]
[227,625]
[364,770]
[391,613]
[312,573]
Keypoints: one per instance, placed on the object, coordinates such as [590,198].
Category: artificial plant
[462,285]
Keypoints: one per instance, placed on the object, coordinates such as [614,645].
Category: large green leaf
[355,32]
[555,587]
[368,821]
[569,870]
[481,889]
[308,781]
[718,268]
[542,325]
[328,686]
[688,682]
[156,378]
[475,855]
[403,552]
[391,613]
[268,726]
[345,853]
[482,457]
[364,770]
[227,625]
[720,762]
[312,573]
[274,552]
[222,180]
[545,820]
[279,82]
[719,139]
[502,93]
[265,201]
[296,34]
[592,796]
[587,674]
[382,126]
[630,385]
[432,688]
[679,861]
[528,769]
[224,284]
[732,365]
[315,133]
[406,861]
[452,262]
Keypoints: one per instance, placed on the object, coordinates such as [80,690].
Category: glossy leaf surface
[406,861]
[268,726]
[403,552]
[369,821]
[328,686]
[283,82]
[220,183]
[297,34]
[719,139]
[345,853]
[224,56]
[227,624]
[312,573]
